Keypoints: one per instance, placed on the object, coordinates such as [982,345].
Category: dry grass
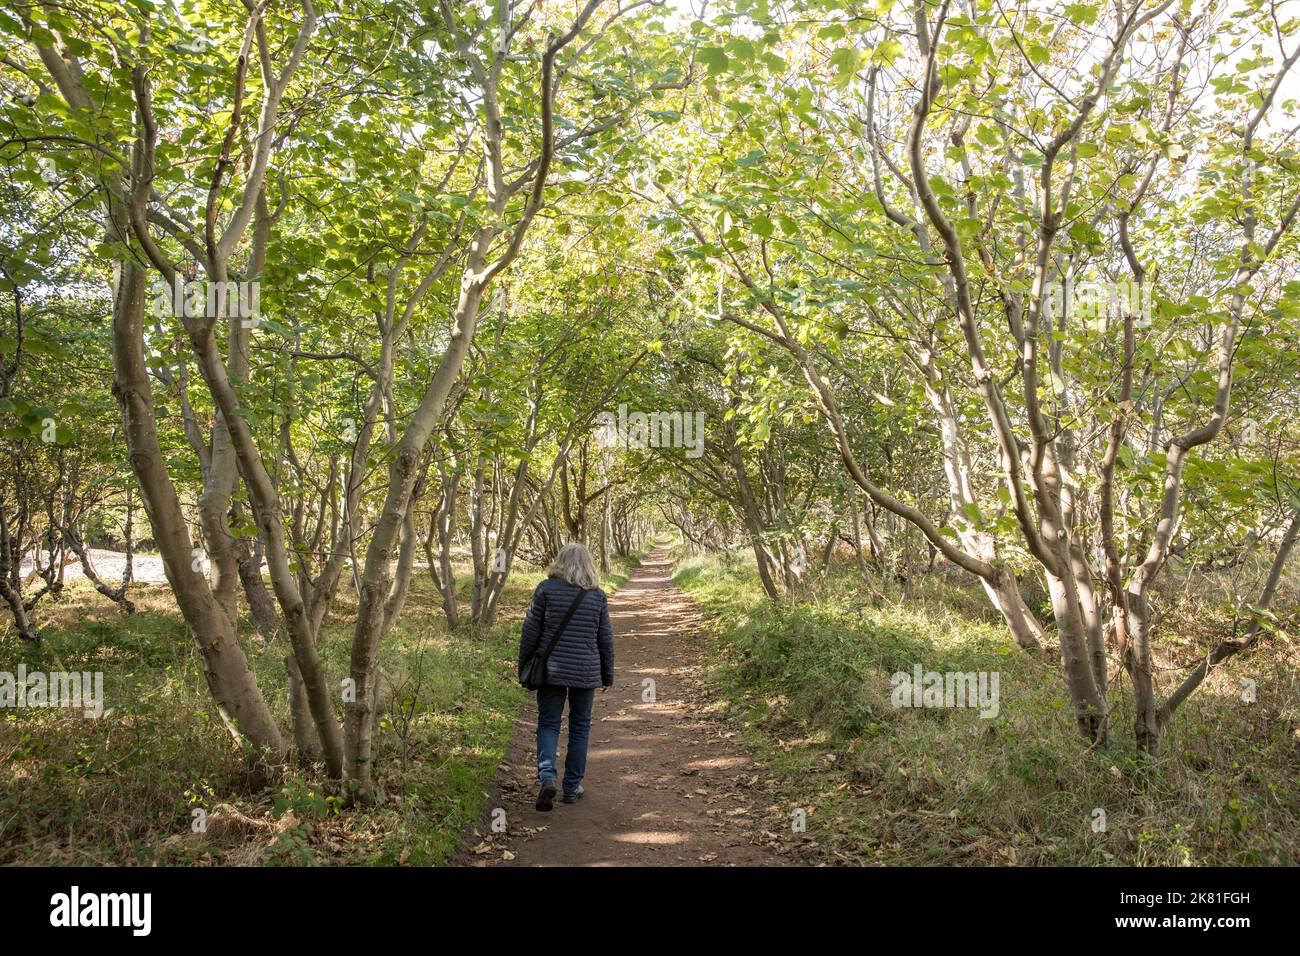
[944,786]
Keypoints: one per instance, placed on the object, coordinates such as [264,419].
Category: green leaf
[886,52]
[1081,13]
[715,58]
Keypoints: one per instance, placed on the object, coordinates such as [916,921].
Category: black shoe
[573,796]
[546,795]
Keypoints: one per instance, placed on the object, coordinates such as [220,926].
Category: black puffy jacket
[584,654]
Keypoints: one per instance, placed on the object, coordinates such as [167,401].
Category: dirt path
[668,782]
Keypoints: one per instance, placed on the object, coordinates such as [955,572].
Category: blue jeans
[550,707]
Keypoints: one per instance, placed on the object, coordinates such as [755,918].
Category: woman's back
[583,656]
[581,659]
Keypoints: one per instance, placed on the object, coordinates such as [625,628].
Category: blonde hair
[575,565]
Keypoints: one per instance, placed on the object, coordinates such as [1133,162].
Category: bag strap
[564,622]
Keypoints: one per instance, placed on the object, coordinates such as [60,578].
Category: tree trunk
[1006,597]
[305,738]
[230,679]
[402,474]
[266,616]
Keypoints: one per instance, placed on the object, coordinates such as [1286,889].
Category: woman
[580,659]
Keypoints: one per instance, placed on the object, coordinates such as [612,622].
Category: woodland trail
[669,782]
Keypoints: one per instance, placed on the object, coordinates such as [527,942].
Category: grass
[900,786]
[130,787]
